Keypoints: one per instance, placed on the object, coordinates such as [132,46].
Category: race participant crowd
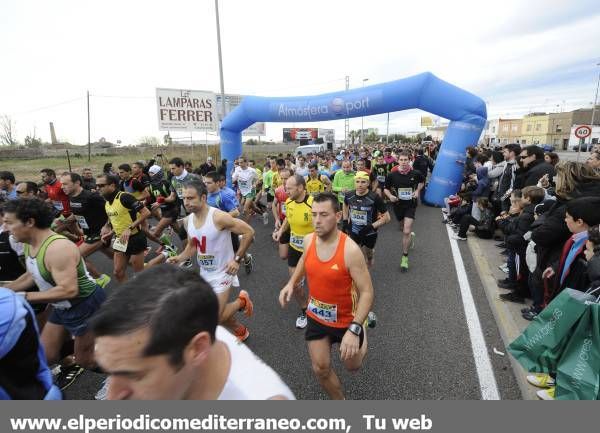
[169,332]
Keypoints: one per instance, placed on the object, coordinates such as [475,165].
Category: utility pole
[362,119]
[387,133]
[220,61]
[346,120]
[88,119]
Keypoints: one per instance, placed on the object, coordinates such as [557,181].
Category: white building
[490,133]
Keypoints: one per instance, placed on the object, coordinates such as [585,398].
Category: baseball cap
[154,169]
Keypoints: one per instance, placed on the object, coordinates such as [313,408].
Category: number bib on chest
[324,311]
[207,262]
[297,241]
[358,217]
[381,179]
[82,222]
[58,205]
[405,193]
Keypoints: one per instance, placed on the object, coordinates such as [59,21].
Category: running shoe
[371,319]
[102,392]
[301,321]
[248,307]
[68,375]
[412,240]
[404,264]
[541,380]
[103,280]
[265,217]
[455,236]
[546,394]
[186,264]
[249,263]
[165,239]
[241,333]
[170,250]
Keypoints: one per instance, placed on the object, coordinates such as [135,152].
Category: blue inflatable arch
[466,112]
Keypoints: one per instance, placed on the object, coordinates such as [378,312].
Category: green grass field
[29,169]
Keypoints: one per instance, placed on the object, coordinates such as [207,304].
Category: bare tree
[7,131]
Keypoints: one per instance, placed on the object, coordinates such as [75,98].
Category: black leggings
[464,224]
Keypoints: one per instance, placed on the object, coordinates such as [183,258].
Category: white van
[310,148]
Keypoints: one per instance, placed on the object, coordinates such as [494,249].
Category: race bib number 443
[323,311]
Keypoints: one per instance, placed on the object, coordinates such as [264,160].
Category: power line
[48,106]
[122,96]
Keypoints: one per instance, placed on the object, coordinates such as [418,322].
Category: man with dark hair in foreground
[157,337]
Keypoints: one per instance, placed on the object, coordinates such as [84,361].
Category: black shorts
[270,197]
[405,211]
[137,244]
[317,331]
[170,212]
[365,241]
[91,239]
[285,238]
[293,257]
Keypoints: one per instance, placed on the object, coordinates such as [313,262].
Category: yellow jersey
[299,217]
[314,186]
[121,217]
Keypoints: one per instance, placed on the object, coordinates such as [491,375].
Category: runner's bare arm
[24,282]
[383,219]
[275,213]
[189,250]
[144,214]
[327,182]
[285,226]
[285,295]
[389,195]
[355,262]
[225,221]
[345,211]
[61,260]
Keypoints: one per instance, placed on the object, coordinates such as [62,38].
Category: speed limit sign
[583,131]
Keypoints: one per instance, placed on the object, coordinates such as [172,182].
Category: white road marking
[485,372]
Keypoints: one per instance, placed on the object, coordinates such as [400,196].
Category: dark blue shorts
[75,319]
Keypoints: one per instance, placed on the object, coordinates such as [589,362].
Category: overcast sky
[518,56]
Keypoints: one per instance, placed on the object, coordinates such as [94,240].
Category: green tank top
[85,282]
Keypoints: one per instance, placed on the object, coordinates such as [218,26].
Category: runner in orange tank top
[340,294]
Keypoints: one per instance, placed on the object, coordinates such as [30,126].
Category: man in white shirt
[246,179]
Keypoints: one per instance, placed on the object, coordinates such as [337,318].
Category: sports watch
[356,328]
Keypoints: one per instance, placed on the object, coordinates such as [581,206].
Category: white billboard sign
[186,110]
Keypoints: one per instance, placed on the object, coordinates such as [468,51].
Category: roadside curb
[503,314]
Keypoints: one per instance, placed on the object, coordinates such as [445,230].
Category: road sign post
[582,132]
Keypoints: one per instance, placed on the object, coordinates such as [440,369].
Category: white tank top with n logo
[213,251]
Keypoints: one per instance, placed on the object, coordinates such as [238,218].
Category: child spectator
[484,226]
[570,270]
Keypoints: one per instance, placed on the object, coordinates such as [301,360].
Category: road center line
[485,372]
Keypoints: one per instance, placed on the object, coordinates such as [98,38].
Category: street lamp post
[362,119]
[594,106]
[220,61]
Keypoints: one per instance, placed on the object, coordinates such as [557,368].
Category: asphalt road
[420,348]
